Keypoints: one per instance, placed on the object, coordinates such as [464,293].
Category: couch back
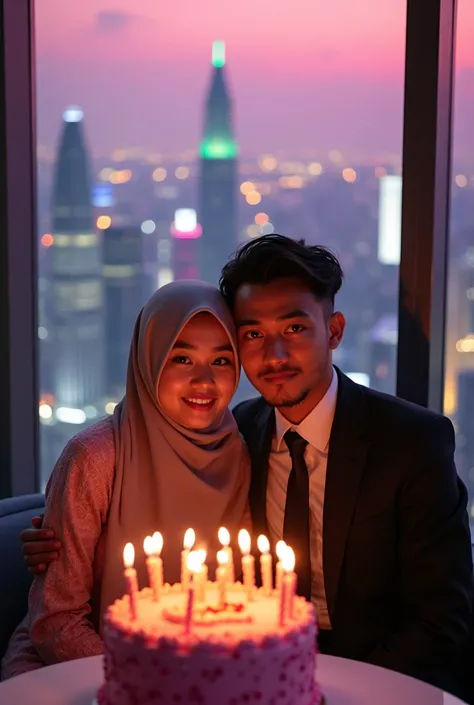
[16,514]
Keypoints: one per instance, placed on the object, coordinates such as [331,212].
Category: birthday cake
[210,643]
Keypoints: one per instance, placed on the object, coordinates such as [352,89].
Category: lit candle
[265,564]
[188,543]
[280,551]
[158,547]
[248,563]
[193,567]
[288,585]
[202,577]
[152,546]
[224,538]
[130,575]
[222,577]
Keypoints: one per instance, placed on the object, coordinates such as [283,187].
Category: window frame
[18,255]
[427,145]
[426,195]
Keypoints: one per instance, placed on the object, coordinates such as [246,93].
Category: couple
[363,485]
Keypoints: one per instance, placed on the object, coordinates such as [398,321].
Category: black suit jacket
[396,543]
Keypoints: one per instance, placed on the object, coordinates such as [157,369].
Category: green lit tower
[218,175]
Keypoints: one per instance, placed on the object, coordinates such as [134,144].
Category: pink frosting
[150,661]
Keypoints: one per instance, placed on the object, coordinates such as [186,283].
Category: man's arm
[435,562]
[40,546]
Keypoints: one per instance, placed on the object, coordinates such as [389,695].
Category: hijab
[167,477]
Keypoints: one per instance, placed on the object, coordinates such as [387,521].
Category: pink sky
[314,74]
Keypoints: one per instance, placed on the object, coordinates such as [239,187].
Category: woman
[169,458]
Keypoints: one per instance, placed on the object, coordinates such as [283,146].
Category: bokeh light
[104,222]
[160,174]
[253,198]
[47,240]
[261,218]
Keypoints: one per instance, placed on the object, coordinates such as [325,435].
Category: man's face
[286,338]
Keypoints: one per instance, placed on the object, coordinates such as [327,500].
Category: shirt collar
[316,427]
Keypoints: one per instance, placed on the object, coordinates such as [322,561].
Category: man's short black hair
[271,257]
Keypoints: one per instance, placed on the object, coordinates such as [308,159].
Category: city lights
[253,198]
[182,172]
[315,169]
[165,276]
[218,148]
[148,227]
[106,173]
[47,240]
[73,114]
[267,229]
[461,180]
[45,412]
[268,162]
[104,222]
[466,345]
[349,175]
[185,225]
[246,187]
[291,182]
[120,177]
[218,54]
[252,230]
[390,219]
[261,218]
[72,416]
[159,174]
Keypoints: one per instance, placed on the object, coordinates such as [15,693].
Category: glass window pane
[170,132]
[459,381]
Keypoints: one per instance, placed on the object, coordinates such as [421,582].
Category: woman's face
[198,378]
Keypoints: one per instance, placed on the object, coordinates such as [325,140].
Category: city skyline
[338,85]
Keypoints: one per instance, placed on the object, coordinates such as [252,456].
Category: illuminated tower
[186,233]
[76,277]
[218,177]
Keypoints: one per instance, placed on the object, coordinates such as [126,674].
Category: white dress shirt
[316,429]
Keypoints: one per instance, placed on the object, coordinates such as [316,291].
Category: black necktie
[296,524]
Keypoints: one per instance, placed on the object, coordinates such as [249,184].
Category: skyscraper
[186,233]
[218,175]
[76,278]
[124,297]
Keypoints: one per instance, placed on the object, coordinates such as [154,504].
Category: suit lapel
[264,425]
[346,460]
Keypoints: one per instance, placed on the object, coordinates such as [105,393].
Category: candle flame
[148,545]
[157,543]
[263,544]
[129,555]
[280,549]
[202,554]
[224,536]
[194,562]
[222,557]
[288,560]
[189,539]
[244,541]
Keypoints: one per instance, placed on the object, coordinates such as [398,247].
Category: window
[169,133]
[459,364]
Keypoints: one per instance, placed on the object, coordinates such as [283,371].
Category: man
[362,485]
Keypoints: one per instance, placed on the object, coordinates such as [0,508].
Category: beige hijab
[169,478]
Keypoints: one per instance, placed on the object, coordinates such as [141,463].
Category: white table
[343,682]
